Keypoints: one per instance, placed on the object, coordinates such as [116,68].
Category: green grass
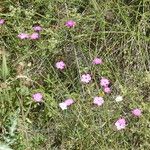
[118,32]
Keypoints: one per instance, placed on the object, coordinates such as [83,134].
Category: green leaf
[5,71]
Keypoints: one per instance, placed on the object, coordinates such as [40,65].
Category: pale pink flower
[107,90]
[23,36]
[97,61]
[86,78]
[34,36]
[104,82]
[137,112]
[2,21]
[63,105]
[37,28]
[120,123]
[98,101]
[70,23]
[37,97]
[60,65]
[69,102]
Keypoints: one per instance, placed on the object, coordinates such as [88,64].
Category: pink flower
[63,106]
[97,61]
[104,82]
[70,23]
[107,90]
[86,78]
[37,97]
[137,112]
[2,21]
[23,36]
[60,65]
[66,103]
[34,36]
[37,28]
[69,102]
[120,123]
[98,101]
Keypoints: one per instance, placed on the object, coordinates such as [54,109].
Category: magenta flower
[69,102]
[34,36]
[137,112]
[107,90]
[70,23]
[97,61]
[104,82]
[60,65]
[37,97]
[2,21]
[37,28]
[86,78]
[23,36]
[98,101]
[120,123]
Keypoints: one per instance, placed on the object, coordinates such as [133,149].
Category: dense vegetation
[93,40]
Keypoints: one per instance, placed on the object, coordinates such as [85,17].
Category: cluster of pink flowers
[121,123]
[34,36]
[104,82]
[23,36]
[64,105]
[105,85]
[97,101]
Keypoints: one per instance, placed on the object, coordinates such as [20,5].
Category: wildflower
[37,97]
[97,61]
[2,21]
[107,90]
[60,65]
[137,112]
[23,36]
[119,98]
[69,102]
[120,123]
[86,78]
[104,82]
[37,28]
[70,23]
[98,101]
[63,105]
[34,36]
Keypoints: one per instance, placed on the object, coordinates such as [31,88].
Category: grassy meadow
[115,32]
